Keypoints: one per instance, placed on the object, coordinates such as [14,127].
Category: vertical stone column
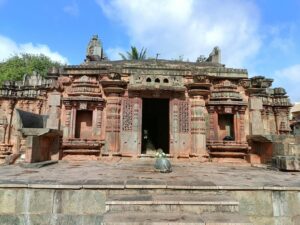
[113,123]
[113,88]
[198,126]
[54,105]
[99,115]
[213,124]
[282,120]
[3,126]
[13,135]
[67,127]
[256,123]
[242,125]
[236,123]
[73,121]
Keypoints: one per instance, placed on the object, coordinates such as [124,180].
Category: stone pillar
[236,124]
[113,89]
[3,126]
[256,123]
[99,115]
[67,127]
[198,126]
[113,108]
[282,120]
[73,122]
[10,111]
[54,105]
[242,125]
[213,124]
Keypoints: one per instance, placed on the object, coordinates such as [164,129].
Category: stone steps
[172,209]
[172,203]
[171,218]
[81,151]
[228,154]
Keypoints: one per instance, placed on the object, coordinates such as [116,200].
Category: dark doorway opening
[226,127]
[155,125]
[84,121]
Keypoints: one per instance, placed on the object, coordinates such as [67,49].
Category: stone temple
[130,108]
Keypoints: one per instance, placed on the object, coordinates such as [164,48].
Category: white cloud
[72,9]
[282,37]
[189,27]
[289,78]
[113,53]
[9,48]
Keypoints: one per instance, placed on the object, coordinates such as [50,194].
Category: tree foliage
[17,66]
[134,54]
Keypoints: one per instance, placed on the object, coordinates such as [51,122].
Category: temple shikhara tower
[131,108]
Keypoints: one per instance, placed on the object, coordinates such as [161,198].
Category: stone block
[285,204]
[278,148]
[80,202]
[253,159]
[261,220]
[286,163]
[293,149]
[10,220]
[36,201]
[54,99]
[256,123]
[296,220]
[79,219]
[255,103]
[255,203]
[8,201]
[35,219]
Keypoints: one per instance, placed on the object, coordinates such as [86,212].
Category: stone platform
[126,191]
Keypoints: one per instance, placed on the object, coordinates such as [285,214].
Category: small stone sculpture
[162,164]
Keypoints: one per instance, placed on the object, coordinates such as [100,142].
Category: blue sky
[262,36]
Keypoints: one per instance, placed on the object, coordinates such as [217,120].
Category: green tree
[17,66]
[134,54]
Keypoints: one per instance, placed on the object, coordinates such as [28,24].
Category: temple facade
[131,108]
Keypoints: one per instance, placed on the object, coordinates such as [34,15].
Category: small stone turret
[94,51]
[215,56]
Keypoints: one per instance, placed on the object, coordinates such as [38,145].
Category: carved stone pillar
[3,126]
[236,124]
[282,121]
[68,109]
[198,126]
[99,117]
[113,124]
[213,124]
[242,125]
[113,90]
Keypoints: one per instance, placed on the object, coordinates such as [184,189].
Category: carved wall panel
[131,126]
[180,128]
[183,116]
[127,114]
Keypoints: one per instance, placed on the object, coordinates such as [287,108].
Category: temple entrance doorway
[226,127]
[155,125]
[84,121]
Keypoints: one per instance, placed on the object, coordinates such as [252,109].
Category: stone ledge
[167,187]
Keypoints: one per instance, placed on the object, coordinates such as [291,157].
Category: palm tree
[134,54]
